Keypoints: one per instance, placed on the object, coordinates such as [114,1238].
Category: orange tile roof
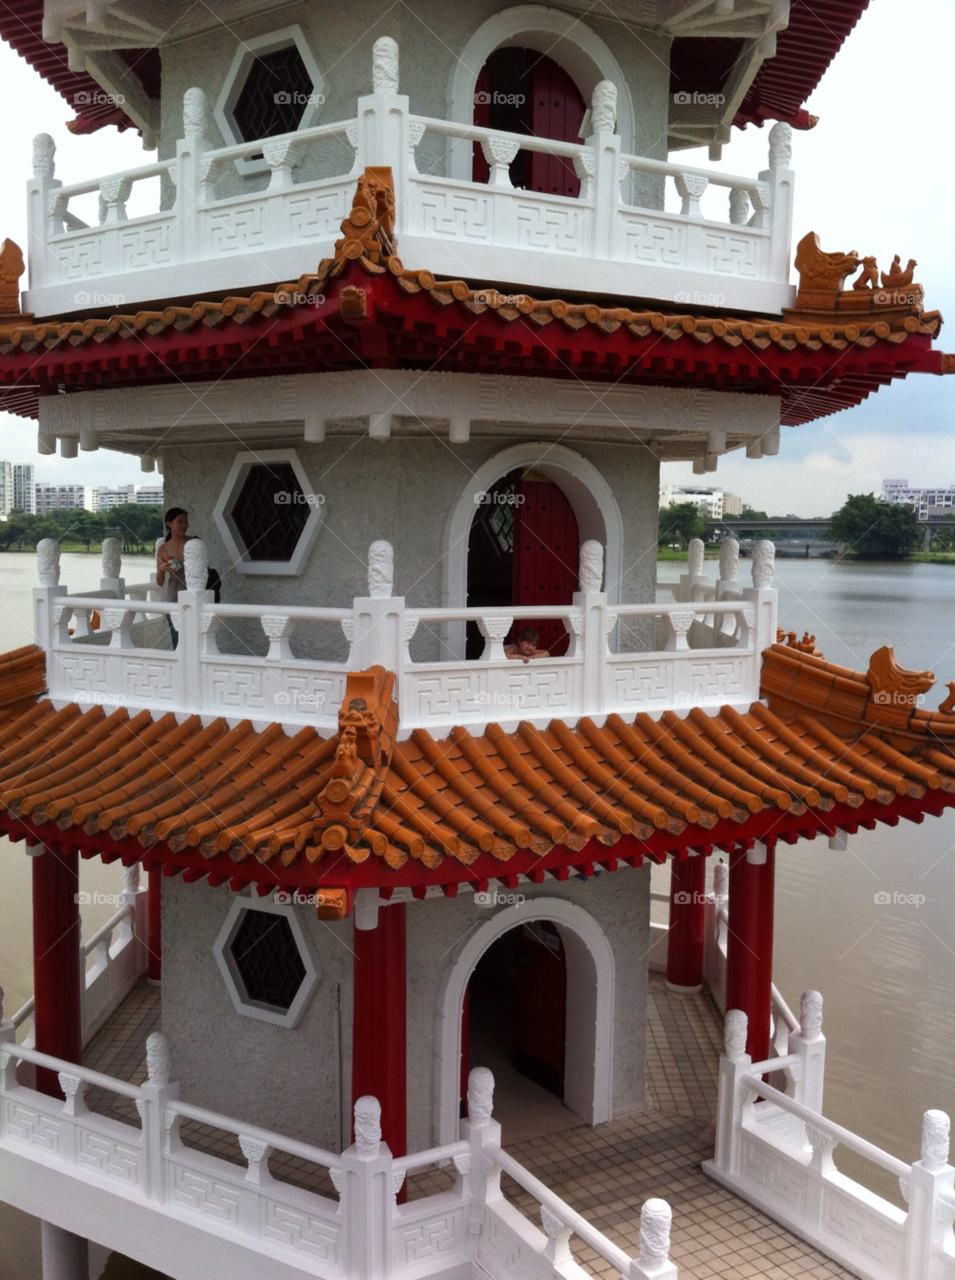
[292,801]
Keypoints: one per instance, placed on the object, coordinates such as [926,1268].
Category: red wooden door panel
[556,111]
[540,998]
[546,557]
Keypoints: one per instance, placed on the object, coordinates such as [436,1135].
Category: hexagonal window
[274,86]
[267,513]
[263,957]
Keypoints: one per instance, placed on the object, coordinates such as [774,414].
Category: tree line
[137,525]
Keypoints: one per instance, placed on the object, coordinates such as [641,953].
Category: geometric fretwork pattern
[274,96]
[269,513]
[267,959]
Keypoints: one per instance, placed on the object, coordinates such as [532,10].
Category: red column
[154,923]
[749,959]
[56,962]
[378,1042]
[685,936]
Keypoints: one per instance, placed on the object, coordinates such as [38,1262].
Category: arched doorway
[522,91]
[524,549]
[584,1075]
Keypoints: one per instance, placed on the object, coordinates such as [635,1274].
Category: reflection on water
[887,971]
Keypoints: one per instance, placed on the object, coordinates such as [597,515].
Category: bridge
[809,533]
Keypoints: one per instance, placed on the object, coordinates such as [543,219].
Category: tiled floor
[605,1173]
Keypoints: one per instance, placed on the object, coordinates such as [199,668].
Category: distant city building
[24,487]
[927,502]
[66,497]
[713,503]
[105,497]
[6,489]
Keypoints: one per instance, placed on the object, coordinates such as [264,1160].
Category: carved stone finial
[131,878]
[780,146]
[11,269]
[48,562]
[763,563]
[480,1095]
[44,153]
[735,1028]
[112,557]
[729,560]
[367,1125]
[935,1140]
[656,1217]
[694,557]
[603,111]
[195,113]
[591,566]
[810,1015]
[384,65]
[381,569]
[196,561]
[159,1059]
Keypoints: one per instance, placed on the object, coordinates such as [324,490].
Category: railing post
[135,927]
[112,568]
[190,645]
[155,1093]
[41,211]
[779,179]
[765,602]
[931,1200]
[382,129]
[809,1045]
[367,1198]
[590,624]
[191,173]
[735,1062]
[380,627]
[480,1130]
[605,144]
[656,1218]
[48,567]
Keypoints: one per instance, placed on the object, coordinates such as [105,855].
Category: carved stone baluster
[113,197]
[208,627]
[102,951]
[823,1144]
[585,167]
[81,624]
[557,1249]
[278,629]
[119,621]
[74,1089]
[494,631]
[257,1157]
[678,624]
[690,187]
[282,155]
[740,206]
[416,131]
[499,153]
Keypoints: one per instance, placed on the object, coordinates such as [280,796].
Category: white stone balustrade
[87,1172]
[778,1151]
[221,234]
[709,655]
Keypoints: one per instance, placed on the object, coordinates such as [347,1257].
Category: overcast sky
[869,177]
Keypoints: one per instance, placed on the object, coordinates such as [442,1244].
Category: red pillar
[749,959]
[378,1043]
[154,923]
[56,962]
[685,936]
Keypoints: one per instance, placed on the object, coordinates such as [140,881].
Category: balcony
[703,649]
[605,241]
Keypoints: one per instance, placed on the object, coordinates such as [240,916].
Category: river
[887,971]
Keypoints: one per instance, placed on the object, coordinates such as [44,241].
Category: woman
[170,561]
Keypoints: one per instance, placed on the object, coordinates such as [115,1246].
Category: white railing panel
[431,1235]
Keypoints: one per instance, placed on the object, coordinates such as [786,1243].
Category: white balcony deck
[734,256]
[623,658]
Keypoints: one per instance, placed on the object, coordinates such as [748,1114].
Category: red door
[546,556]
[540,998]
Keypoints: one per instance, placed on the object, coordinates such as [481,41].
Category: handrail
[129,606]
[316,1155]
[104,930]
[818,1121]
[337,128]
[95,1078]
[299,612]
[694,606]
[436,1155]
[581,1227]
[476,133]
[25,1011]
[792,1022]
[665,167]
[154,170]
